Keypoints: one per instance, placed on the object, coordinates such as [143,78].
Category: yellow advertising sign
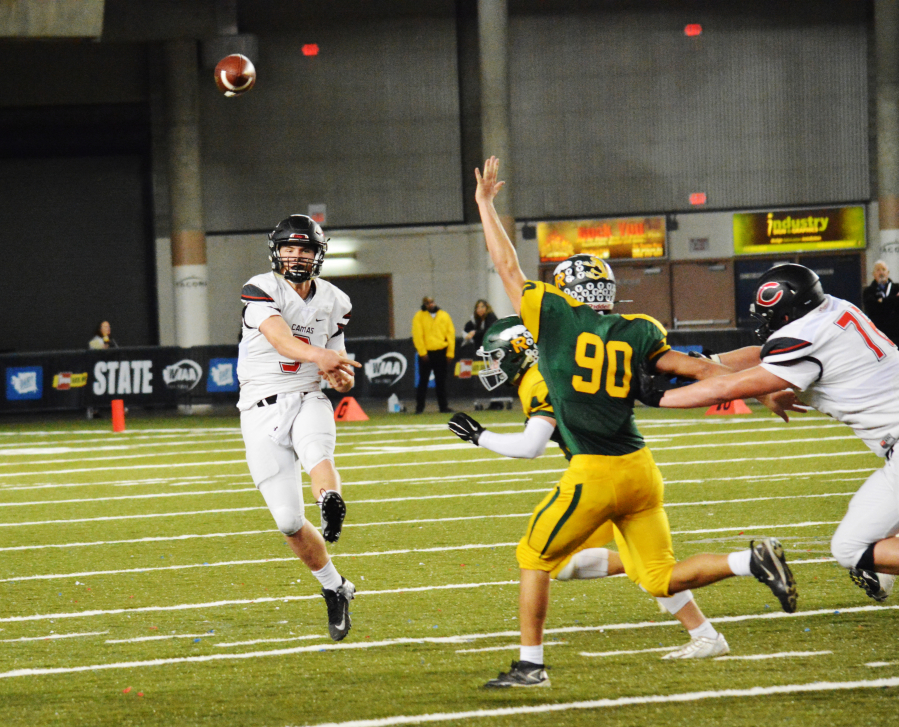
[622,238]
[833,228]
[68,380]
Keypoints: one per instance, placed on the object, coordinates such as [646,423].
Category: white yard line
[50,637]
[163,637]
[699,503]
[779,655]
[355,645]
[747,528]
[426,589]
[291,559]
[626,652]
[678,697]
[516,646]
[369,449]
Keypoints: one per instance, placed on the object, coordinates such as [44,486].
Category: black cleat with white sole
[333,513]
[877,585]
[769,566]
[522,674]
[338,603]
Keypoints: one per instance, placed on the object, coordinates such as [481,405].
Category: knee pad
[847,553]
[675,603]
[288,520]
[316,452]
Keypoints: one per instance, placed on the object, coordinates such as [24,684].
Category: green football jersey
[589,362]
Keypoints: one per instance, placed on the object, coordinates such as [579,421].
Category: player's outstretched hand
[488,186]
[780,402]
[333,364]
[466,428]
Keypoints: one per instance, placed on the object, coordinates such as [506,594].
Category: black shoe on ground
[333,513]
[877,585]
[338,603]
[522,674]
[447,411]
[769,566]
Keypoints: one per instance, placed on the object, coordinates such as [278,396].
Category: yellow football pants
[595,490]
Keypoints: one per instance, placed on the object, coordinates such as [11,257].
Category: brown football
[235,74]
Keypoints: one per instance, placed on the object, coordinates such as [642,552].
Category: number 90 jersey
[844,367]
[319,320]
[589,362]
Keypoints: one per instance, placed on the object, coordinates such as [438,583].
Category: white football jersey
[843,366]
[319,321]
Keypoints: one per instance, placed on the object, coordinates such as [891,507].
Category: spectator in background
[881,302]
[103,337]
[434,338]
[482,318]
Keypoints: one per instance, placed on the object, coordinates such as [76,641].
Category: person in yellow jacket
[434,338]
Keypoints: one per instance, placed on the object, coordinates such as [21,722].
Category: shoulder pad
[255,294]
[781,346]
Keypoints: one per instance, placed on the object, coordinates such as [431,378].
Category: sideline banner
[168,376]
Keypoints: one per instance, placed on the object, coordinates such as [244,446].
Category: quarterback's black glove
[466,428]
[648,390]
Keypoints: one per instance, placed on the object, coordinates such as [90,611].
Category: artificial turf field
[142,582]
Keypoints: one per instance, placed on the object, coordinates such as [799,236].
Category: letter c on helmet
[761,298]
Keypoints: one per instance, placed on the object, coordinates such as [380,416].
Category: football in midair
[235,74]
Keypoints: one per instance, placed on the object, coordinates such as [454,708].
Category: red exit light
[698,198]
[310,49]
[692,30]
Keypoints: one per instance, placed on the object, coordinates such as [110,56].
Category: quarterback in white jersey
[830,354]
[292,336]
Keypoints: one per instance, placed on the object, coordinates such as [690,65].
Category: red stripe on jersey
[797,347]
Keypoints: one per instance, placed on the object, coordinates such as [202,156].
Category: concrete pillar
[886,25]
[186,195]
[493,33]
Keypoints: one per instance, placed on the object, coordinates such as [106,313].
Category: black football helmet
[298,230]
[588,279]
[508,351]
[783,294]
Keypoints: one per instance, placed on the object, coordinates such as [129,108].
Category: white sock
[706,629]
[328,577]
[533,654]
[586,565]
[739,562]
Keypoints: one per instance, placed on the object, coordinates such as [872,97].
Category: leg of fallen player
[886,556]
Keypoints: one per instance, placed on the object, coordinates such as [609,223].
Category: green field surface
[142,582]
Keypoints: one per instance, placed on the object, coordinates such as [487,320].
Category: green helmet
[508,351]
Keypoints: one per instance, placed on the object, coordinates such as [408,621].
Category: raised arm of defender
[502,251]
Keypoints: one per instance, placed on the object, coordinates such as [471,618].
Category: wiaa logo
[386,369]
[183,376]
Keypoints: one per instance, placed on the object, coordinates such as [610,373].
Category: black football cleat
[333,512]
[769,566]
[522,674]
[877,585]
[338,603]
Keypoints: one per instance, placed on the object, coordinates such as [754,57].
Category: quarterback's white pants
[873,515]
[273,467]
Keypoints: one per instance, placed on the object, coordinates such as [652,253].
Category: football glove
[648,390]
[466,428]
